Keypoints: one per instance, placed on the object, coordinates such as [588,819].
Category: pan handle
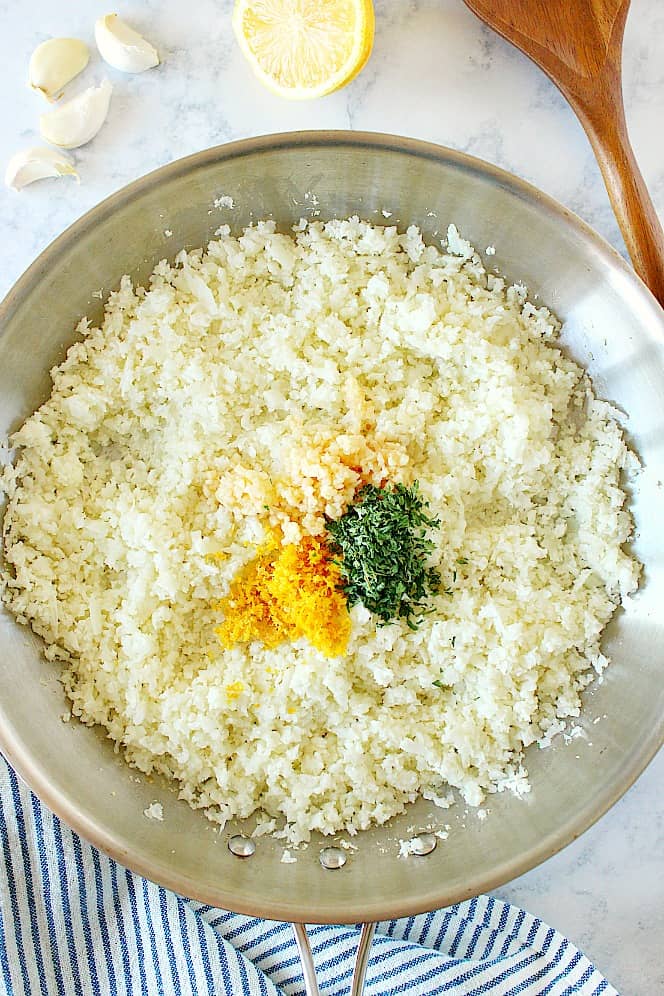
[309,969]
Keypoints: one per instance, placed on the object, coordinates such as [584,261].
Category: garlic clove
[54,63]
[37,163]
[76,122]
[122,47]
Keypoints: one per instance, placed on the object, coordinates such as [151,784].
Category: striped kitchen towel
[74,922]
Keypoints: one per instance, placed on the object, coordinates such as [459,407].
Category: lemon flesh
[305,48]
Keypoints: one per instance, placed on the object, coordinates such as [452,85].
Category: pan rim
[32,771]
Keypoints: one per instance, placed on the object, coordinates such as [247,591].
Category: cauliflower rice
[243,392]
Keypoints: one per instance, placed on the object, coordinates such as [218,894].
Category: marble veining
[436,73]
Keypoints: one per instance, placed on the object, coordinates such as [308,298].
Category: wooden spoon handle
[635,211]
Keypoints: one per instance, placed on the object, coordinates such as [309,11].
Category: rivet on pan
[332,857]
[241,846]
[423,843]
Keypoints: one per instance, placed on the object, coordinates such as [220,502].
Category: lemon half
[305,48]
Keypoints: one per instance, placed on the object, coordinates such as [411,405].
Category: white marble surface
[435,74]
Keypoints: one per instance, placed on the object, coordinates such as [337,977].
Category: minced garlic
[285,594]
[321,467]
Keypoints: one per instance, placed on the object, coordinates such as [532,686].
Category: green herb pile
[384,547]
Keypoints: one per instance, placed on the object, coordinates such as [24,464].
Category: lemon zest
[234,690]
[286,594]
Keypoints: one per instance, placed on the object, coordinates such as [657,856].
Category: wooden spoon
[578,44]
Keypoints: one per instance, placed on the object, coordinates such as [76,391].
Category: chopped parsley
[383,545]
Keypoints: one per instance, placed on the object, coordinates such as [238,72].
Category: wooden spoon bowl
[579,46]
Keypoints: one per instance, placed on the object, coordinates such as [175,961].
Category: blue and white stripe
[74,922]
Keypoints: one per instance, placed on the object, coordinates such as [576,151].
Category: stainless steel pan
[612,325]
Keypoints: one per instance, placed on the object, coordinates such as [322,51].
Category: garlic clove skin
[122,47]
[77,121]
[55,63]
[37,163]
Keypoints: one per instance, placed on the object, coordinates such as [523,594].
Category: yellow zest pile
[290,592]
